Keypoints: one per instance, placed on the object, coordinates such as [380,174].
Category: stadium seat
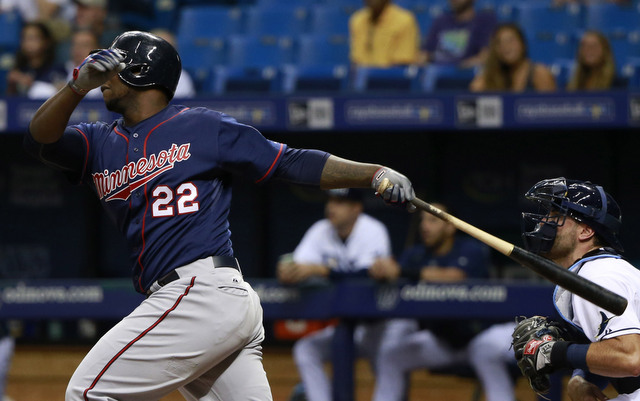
[321,65]
[276,21]
[545,48]
[630,69]
[609,18]
[393,79]
[348,6]
[541,21]
[315,78]
[253,65]
[10,26]
[330,19]
[254,51]
[202,24]
[436,77]
[562,69]
[316,49]
[198,58]
[624,44]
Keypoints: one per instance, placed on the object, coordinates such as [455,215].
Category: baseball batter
[162,173]
[579,229]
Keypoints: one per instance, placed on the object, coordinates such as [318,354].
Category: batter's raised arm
[343,173]
[51,119]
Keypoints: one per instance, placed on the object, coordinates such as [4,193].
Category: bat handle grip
[383,186]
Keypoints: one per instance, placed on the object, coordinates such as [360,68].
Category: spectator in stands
[595,67]
[36,73]
[444,257]
[508,66]
[57,14]
[83,41]
[382,34]
[460,36]
[186,88]
[94,15]
[343,245]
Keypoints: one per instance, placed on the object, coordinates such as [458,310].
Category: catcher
[578,228]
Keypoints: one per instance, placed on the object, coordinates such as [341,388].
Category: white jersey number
[185,203]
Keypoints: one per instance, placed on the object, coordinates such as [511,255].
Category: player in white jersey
[579,229]
[343,245]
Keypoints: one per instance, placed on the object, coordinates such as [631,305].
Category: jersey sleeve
[244,150]
[70,154]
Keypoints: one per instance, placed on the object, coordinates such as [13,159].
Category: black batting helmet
[581,200]
[150,61]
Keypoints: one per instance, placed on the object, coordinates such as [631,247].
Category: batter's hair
[598,77]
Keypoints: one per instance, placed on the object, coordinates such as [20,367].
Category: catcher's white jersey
[615,274]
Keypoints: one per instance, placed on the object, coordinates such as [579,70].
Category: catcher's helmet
[150,61]
[581,200]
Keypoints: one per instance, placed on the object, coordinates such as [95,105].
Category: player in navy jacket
[162,173]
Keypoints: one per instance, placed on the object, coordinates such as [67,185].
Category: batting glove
[398,192]
[96,69]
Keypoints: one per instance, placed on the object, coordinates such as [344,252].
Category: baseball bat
[553,272]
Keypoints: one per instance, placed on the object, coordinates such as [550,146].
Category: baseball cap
[353,194]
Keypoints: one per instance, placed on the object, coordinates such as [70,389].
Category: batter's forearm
[51,119]
[343,173]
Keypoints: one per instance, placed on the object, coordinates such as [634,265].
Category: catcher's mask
[583,201]
[150,61]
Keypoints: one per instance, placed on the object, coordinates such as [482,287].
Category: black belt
[218,261]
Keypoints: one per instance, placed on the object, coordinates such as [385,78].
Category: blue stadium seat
[321,65]
[539,20]
[393,79]
[348,6]
[436,77]
[550,46]
[322,78]
[330,19]
[199,57]
[316,49]
[255,51]
[630,69]
[625,45]
[276,21]
[10,26]
[204,23]
[253,65]
[562,69]
[609,18]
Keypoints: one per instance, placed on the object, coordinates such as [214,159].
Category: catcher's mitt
[533,339]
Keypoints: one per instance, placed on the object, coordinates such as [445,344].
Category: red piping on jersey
[126,347]
[146,198]
[126,138]
[86,159]
[272,164]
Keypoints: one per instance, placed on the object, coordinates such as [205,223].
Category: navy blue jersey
[165,182]
[467,254]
